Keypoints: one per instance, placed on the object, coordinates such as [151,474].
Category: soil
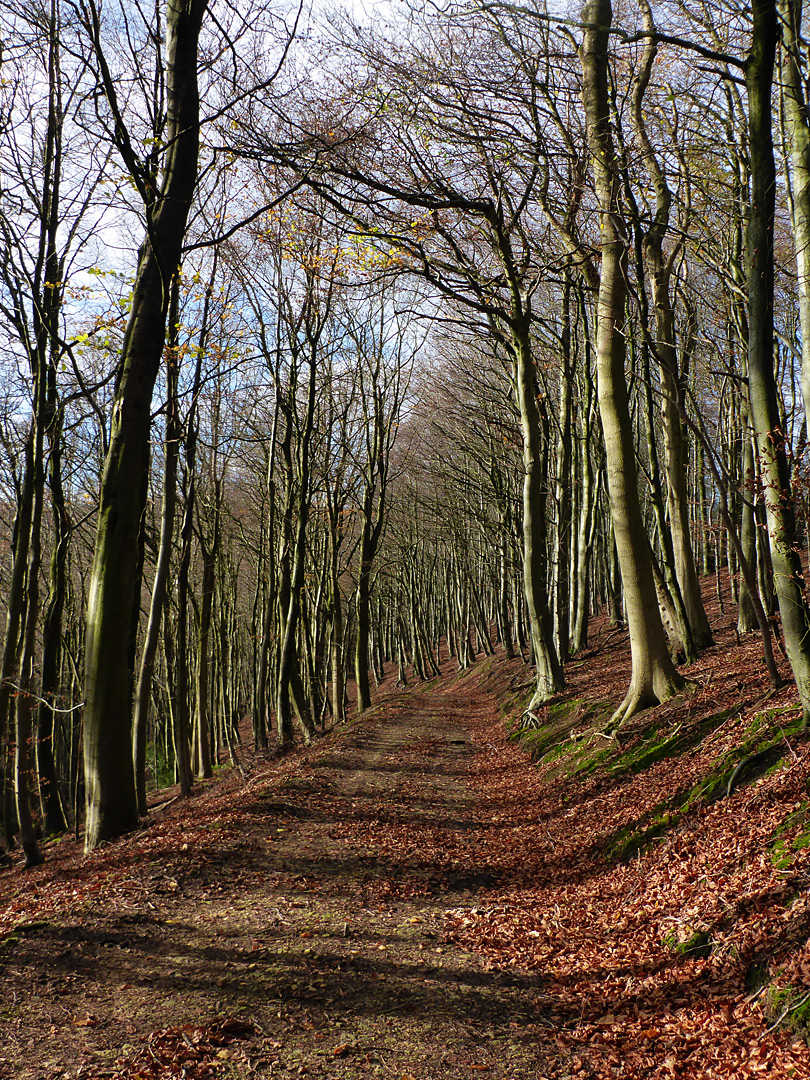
[291,923]
[420,896]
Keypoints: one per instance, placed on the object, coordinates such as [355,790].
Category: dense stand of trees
[327,355]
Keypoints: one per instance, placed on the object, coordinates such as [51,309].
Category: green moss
[764,741]
[551,740]
[31,927]
[783,847]
[627,843]
[655,745]
[689,944]
[788,1008]
[588,761]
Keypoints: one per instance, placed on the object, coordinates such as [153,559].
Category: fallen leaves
[611,939]
[617,994]
[185,1053]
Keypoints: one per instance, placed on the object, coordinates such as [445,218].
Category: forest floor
[421,896]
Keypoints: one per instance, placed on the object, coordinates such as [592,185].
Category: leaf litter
[414,896]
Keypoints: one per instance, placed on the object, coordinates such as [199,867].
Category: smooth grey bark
[769,431]
[54,819]
[143,689]
[798,130]
[111,798]
[381,418]
[209,551]
[261,719]
[504,618]
[182,712]
[30,549]
[336,498]
[289,692]
[562,489]
[675,445]
[586,520]
[654,677]
[31,302]
[548,670]
[746,615]
[671,601]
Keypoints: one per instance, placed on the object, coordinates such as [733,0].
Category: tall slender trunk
[111,799]
[290,692]
[586,519]
[765,413]
[503,595]
[53,812]
[203,761]
[562,490]
[363,608]
[746,616]
[687,590]
[654,677]
[23,760]
[798,124]
[549,672]
[143,690]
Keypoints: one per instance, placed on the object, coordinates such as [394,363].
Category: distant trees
[482,330]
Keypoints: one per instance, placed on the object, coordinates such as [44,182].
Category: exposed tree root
[646,697]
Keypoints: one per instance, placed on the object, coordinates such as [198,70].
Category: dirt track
[306,905]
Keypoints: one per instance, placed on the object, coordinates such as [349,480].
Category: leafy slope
[663,930]
[620,944]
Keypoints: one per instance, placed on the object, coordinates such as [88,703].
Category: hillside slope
[415,896]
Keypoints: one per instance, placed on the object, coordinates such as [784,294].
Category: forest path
[291,926]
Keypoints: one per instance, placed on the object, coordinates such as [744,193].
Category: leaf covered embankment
[659,890]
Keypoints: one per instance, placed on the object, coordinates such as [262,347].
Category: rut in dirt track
[312,907]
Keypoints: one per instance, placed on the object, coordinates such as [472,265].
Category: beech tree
[654,677]
[769,428]
[46,220]
[465,229]
[166,189]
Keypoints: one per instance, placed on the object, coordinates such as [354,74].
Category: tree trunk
[53,813]
[203,764]
[798,123]
[23,759]
[143,689]
[654,677]
[765,413]
[746,616]
[549,672]
[111,799]
[687,590]
[562,492]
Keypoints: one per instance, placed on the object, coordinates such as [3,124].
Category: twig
[788,1009]
[42,700]
[794,755]
[167,802]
